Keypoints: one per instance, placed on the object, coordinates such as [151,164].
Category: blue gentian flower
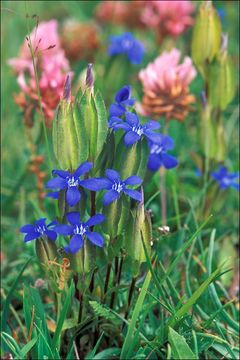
[134,130]
[123,99]
[69,182]
[158,154]
[80,231]
[225,179]
[39,229]
[126,44]
[114,186]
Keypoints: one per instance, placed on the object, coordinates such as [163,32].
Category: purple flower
[225,179]
[80,231]
[134,130]
[114,186]
[123,99]
[158,154]
[69,182]
[126,44]
[39,229]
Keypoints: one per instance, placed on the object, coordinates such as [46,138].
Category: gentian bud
[206,38]
[138,230]
[222,78]
[91,114]
[89,77]
[69,149]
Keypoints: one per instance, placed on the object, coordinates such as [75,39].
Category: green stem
[38,90]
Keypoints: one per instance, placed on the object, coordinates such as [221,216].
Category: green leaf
[57,334]
[9,297]
[127,345]
[179,346]
[25,350]
[107,354]
[93,352]
[193,299]
[102,122]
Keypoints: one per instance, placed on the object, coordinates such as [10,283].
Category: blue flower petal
[40,222]
[63,174]
[114,120]
[95,238]
[73,195]
[123,126]
[110,196]
[112,175]
[154,137]
[123,94]
[31,236]
[169,161]
[133,180]
[167,143]
[95,220]
[136,195]
[51,234]
[53,194]
[83,168]
[74,218]
[96,184]
[64,230]
[152,125]
[76,243]
[132,119]
[116,110]
[154,162]
[56,183]
[27,228]
[130,138]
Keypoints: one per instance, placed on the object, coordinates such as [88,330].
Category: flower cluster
[166,86]
[128,45]
[168,17]
[52,67]
[225,179]
[80,40]
[159,144]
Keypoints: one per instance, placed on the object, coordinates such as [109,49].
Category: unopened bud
[224,42]
[89,77]
[46,250]
[67,89]
[206,38]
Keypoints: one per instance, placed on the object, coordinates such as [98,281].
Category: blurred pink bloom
[166,86]
[172,17]
[52,67]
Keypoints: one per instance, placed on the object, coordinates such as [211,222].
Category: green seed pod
[206,37]
[138,230]
[208,133]
[46,250]
[131,160]
[93,114]
[84,261]
[69,134]
[222,81]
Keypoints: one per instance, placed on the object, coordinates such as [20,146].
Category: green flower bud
[138,230]
[69,133]
[134,159]
[93,115]
[222,79]
[206,38]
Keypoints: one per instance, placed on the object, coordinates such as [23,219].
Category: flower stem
[107,278]
[120,269]
[163,197]
[114,283]
[130,295]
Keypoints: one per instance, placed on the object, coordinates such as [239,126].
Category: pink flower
[166,86]
[52,67]
[172,17]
